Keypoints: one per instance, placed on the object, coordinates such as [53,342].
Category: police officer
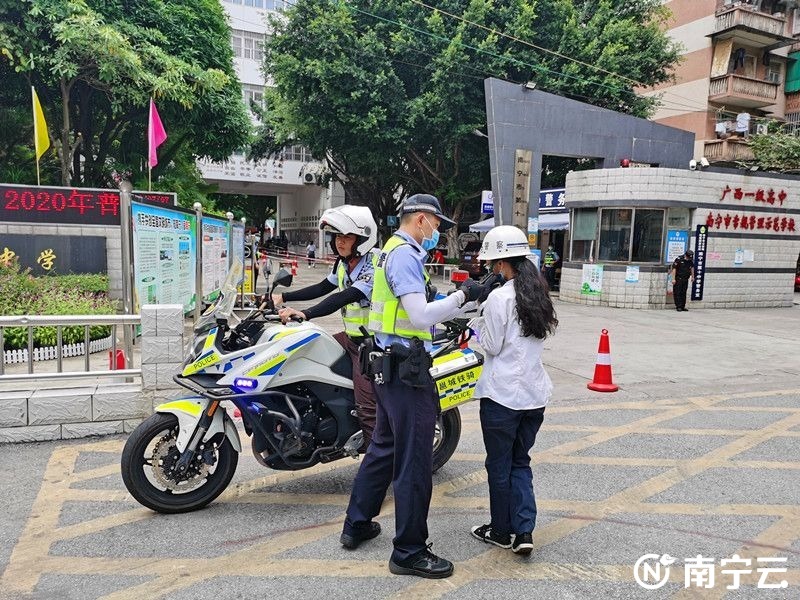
[682,271]
[402,444]
[550,259]
[353,235]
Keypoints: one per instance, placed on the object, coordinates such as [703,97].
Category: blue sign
[487,203]
[677,244]
[552,200]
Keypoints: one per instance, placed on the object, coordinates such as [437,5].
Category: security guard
[402,444]
[353,235]
[682,272]
[551,257]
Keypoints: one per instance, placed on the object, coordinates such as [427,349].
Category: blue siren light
[245,384]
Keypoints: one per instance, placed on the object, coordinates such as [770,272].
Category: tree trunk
[65,145]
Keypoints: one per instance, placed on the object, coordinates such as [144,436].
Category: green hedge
[23,294]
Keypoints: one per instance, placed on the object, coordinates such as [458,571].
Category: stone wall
[102,408]
[718,199]
[113,245]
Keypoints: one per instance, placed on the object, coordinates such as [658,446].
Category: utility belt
[409,365]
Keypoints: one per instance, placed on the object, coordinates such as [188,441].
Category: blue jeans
[509,436]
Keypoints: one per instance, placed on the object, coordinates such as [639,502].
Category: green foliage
[22,294]
[255,209]
[391,92]
[777,150]
[96,64]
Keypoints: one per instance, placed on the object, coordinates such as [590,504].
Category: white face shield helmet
[348,219]
[504,241]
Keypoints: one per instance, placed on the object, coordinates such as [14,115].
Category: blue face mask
[429,243]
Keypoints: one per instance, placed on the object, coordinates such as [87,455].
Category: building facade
[628,225]
[739,71]
[293,176]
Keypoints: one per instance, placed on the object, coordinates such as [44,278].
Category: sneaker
[484,533]
[523,543]
[353,540]
[422,564]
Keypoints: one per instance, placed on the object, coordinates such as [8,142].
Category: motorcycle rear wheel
[448,432]
[161,430]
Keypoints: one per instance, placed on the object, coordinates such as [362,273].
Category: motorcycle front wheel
[148,467]
[446,436]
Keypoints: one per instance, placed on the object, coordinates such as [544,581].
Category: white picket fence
[51,352]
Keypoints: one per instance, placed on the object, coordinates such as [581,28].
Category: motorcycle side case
[456,375]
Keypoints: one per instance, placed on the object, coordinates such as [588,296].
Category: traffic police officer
[402,443]
[353,235]
[682,272]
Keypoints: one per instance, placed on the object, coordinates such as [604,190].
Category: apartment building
[293,176]
[740,69]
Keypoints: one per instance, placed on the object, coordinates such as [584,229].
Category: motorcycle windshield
[222,308]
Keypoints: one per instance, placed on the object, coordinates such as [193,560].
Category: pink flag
[155,134]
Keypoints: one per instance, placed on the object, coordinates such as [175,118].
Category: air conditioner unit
[309,178]
[761,129]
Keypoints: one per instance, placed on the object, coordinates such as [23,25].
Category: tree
[776,150]
[390,93]
[256,209]
[96,63]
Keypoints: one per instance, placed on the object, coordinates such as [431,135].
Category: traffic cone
[294,267]
[601,382]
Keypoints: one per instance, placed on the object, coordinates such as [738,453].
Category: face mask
[429,243]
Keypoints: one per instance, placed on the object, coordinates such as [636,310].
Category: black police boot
[353,540]
[422,564]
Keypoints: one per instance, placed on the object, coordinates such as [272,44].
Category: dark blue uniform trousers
[401,453]
[509,436]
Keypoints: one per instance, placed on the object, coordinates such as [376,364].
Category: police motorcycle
[293,386]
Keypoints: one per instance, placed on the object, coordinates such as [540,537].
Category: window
[615,234]
[584,231]
[793,123]
[296,152]
[247,44]
[647,235]
[253,93]
[774,74]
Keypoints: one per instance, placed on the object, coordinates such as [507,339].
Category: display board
[164,256]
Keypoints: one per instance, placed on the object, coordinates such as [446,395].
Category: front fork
[199,419]
[188,455]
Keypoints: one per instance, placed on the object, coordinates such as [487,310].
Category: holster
[412,364]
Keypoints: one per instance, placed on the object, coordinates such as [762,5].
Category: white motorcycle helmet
[504,241]
[351,219]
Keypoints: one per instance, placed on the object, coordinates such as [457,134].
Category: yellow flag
[40,137]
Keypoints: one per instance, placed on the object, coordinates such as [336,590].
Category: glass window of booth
[615,234]
[648,230]
[583,233]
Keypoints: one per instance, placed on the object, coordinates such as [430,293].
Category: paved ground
[697,454]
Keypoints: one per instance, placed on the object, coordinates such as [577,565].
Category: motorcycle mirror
[283,278]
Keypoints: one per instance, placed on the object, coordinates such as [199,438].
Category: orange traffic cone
[602,369]
[294,267]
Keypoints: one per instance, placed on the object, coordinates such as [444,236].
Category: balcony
[739,91]
[750,27]
[729,150]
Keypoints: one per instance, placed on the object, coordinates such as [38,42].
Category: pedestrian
[354,234]
[402,443]
[438,260]
[514,387]
[311,254]
[551,258]
[682,272]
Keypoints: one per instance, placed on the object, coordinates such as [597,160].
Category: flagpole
[35,149]
[149,177]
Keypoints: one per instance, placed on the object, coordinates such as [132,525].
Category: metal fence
[59,322]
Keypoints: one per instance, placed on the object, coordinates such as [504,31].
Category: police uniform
[401,452]
[550,260]
[356,315]
[683,267]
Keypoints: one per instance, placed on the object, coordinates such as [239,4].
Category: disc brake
[165,458]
